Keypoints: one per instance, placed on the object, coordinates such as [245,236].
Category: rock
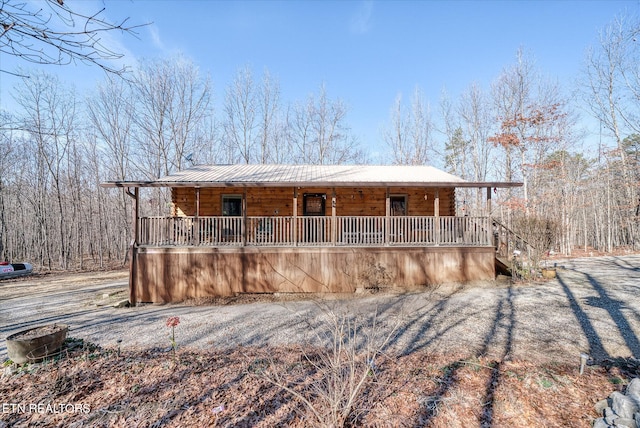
[610,416]
[9,371]
[600,423]
[626,423]
[623,406]
[601,405]
[122,304]
[633,391]
[105,295]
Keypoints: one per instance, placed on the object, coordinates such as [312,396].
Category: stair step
[503,266]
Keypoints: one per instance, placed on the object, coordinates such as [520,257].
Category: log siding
[350,201]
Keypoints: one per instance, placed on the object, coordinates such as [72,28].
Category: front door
[313,228]
[231,228]
[398,205]
[398,208]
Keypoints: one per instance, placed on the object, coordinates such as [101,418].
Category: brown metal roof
[308,175]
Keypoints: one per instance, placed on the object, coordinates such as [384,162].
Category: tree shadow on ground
[272,398]
[445,382]
[624,264]
[502,329]
[614,308]
[425,321]
[596,348]
[505,319]
[604,300]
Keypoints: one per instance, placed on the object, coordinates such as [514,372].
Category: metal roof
[308,175]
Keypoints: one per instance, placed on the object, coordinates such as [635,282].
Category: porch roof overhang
[310,176]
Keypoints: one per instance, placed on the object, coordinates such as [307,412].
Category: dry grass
[149,388]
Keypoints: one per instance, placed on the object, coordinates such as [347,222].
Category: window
[232,205]
[314,203]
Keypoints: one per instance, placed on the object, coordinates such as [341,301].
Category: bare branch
[59,35]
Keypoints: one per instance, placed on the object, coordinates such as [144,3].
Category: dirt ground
[494,354]
[592,307]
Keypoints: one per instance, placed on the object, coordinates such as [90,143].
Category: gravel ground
[592,306]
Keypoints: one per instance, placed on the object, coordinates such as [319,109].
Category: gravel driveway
[593,306]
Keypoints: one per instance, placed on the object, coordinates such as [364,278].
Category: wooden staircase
[507,243]
[503,267]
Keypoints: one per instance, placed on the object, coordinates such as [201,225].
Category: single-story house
[306,228]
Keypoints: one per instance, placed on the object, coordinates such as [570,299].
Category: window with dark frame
[314,203]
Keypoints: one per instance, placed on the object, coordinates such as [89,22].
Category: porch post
[387,216]
[334,226]
[197,222]
[295,216]
[489,221]
[134,246]
[244,217]
[136,227]
[436,213]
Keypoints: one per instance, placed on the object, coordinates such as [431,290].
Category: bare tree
[171,102]
[110,112]
[241,117]
[50,119]
[454,149]
[269,109]
[51,32]
[511,94]
[611,89]
[9,152]
[410,135]
[533,120]
[17,229]
[476,119]
[190,112]
[333,141]
[319,133]
[612,78]
[467,127]
[299,131]
[51,198]
[208,141]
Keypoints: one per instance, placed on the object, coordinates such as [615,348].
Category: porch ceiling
[309,176]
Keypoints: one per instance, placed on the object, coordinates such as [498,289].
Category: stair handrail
[512,261]
[529,248]
[508,229]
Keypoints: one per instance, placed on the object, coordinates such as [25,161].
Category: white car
[12,270]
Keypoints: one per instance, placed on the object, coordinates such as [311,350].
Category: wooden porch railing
[369,231]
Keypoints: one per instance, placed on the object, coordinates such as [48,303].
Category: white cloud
[155,36]
[361,21]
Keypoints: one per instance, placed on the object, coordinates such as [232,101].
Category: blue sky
[365,53]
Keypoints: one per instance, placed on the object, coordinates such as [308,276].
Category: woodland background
[59,145]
